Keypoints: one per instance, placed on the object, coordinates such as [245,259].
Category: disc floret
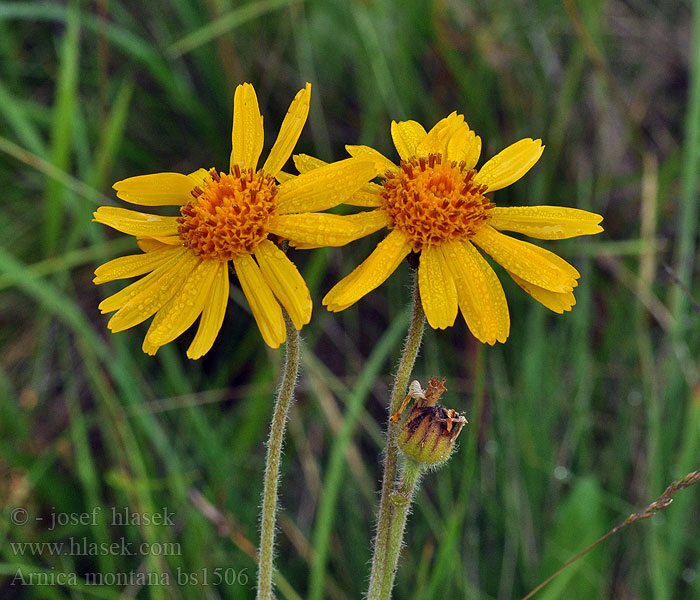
[230,215]
[433,201]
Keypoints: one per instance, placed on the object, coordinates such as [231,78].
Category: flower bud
[428,434]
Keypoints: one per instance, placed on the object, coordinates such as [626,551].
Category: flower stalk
[402,500]
[398,392]
[285,397]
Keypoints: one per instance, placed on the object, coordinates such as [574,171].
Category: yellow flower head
[223,217]
[434,204]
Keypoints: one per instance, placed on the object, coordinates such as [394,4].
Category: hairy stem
[401,500]
[398,392]
[285,397]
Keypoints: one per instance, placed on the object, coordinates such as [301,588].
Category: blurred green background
[576,422]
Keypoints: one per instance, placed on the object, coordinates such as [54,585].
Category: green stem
[401,500]
[398,393]
[688,205]
[285,397]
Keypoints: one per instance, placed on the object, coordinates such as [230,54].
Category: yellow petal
[367,195]
[472,151]
[534,264]
[437,289]
[285,281]
[136,223]
[557,302]
[178,314]
[201,177]
[212,315]
[266,310]
[510,164]
[151,244]
[545,222]
[281,176]
[481,298]
[383,163]
[247,136]
[152,297]
[116,301]
[317,230]
[148,244]
[457,141]
[435,142]
[289,132]
[370,274]
[157,189]
[305,163]
[407,135]
[464,146]
[325,187]
[133,265]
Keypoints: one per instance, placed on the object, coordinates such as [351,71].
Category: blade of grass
[376,54]
[688,215]
[135,481]
[60,176]
[61,127]
[67,261]
[305,59]
[686,407]
[53,301]
[650,384]
[19,121]
[32,473]
[66,311]
[661,503]
[225,24]
[180,91]
[84,464]
[580,519]
[111,135]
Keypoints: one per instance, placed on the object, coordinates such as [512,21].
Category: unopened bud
[429,432]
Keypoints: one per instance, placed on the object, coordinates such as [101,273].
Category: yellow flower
[223,217]
[434,204]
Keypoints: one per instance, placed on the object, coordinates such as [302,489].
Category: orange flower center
[434,202]
[230,216]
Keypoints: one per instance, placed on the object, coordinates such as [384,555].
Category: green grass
[576,422]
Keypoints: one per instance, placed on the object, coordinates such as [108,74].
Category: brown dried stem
[650,510]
